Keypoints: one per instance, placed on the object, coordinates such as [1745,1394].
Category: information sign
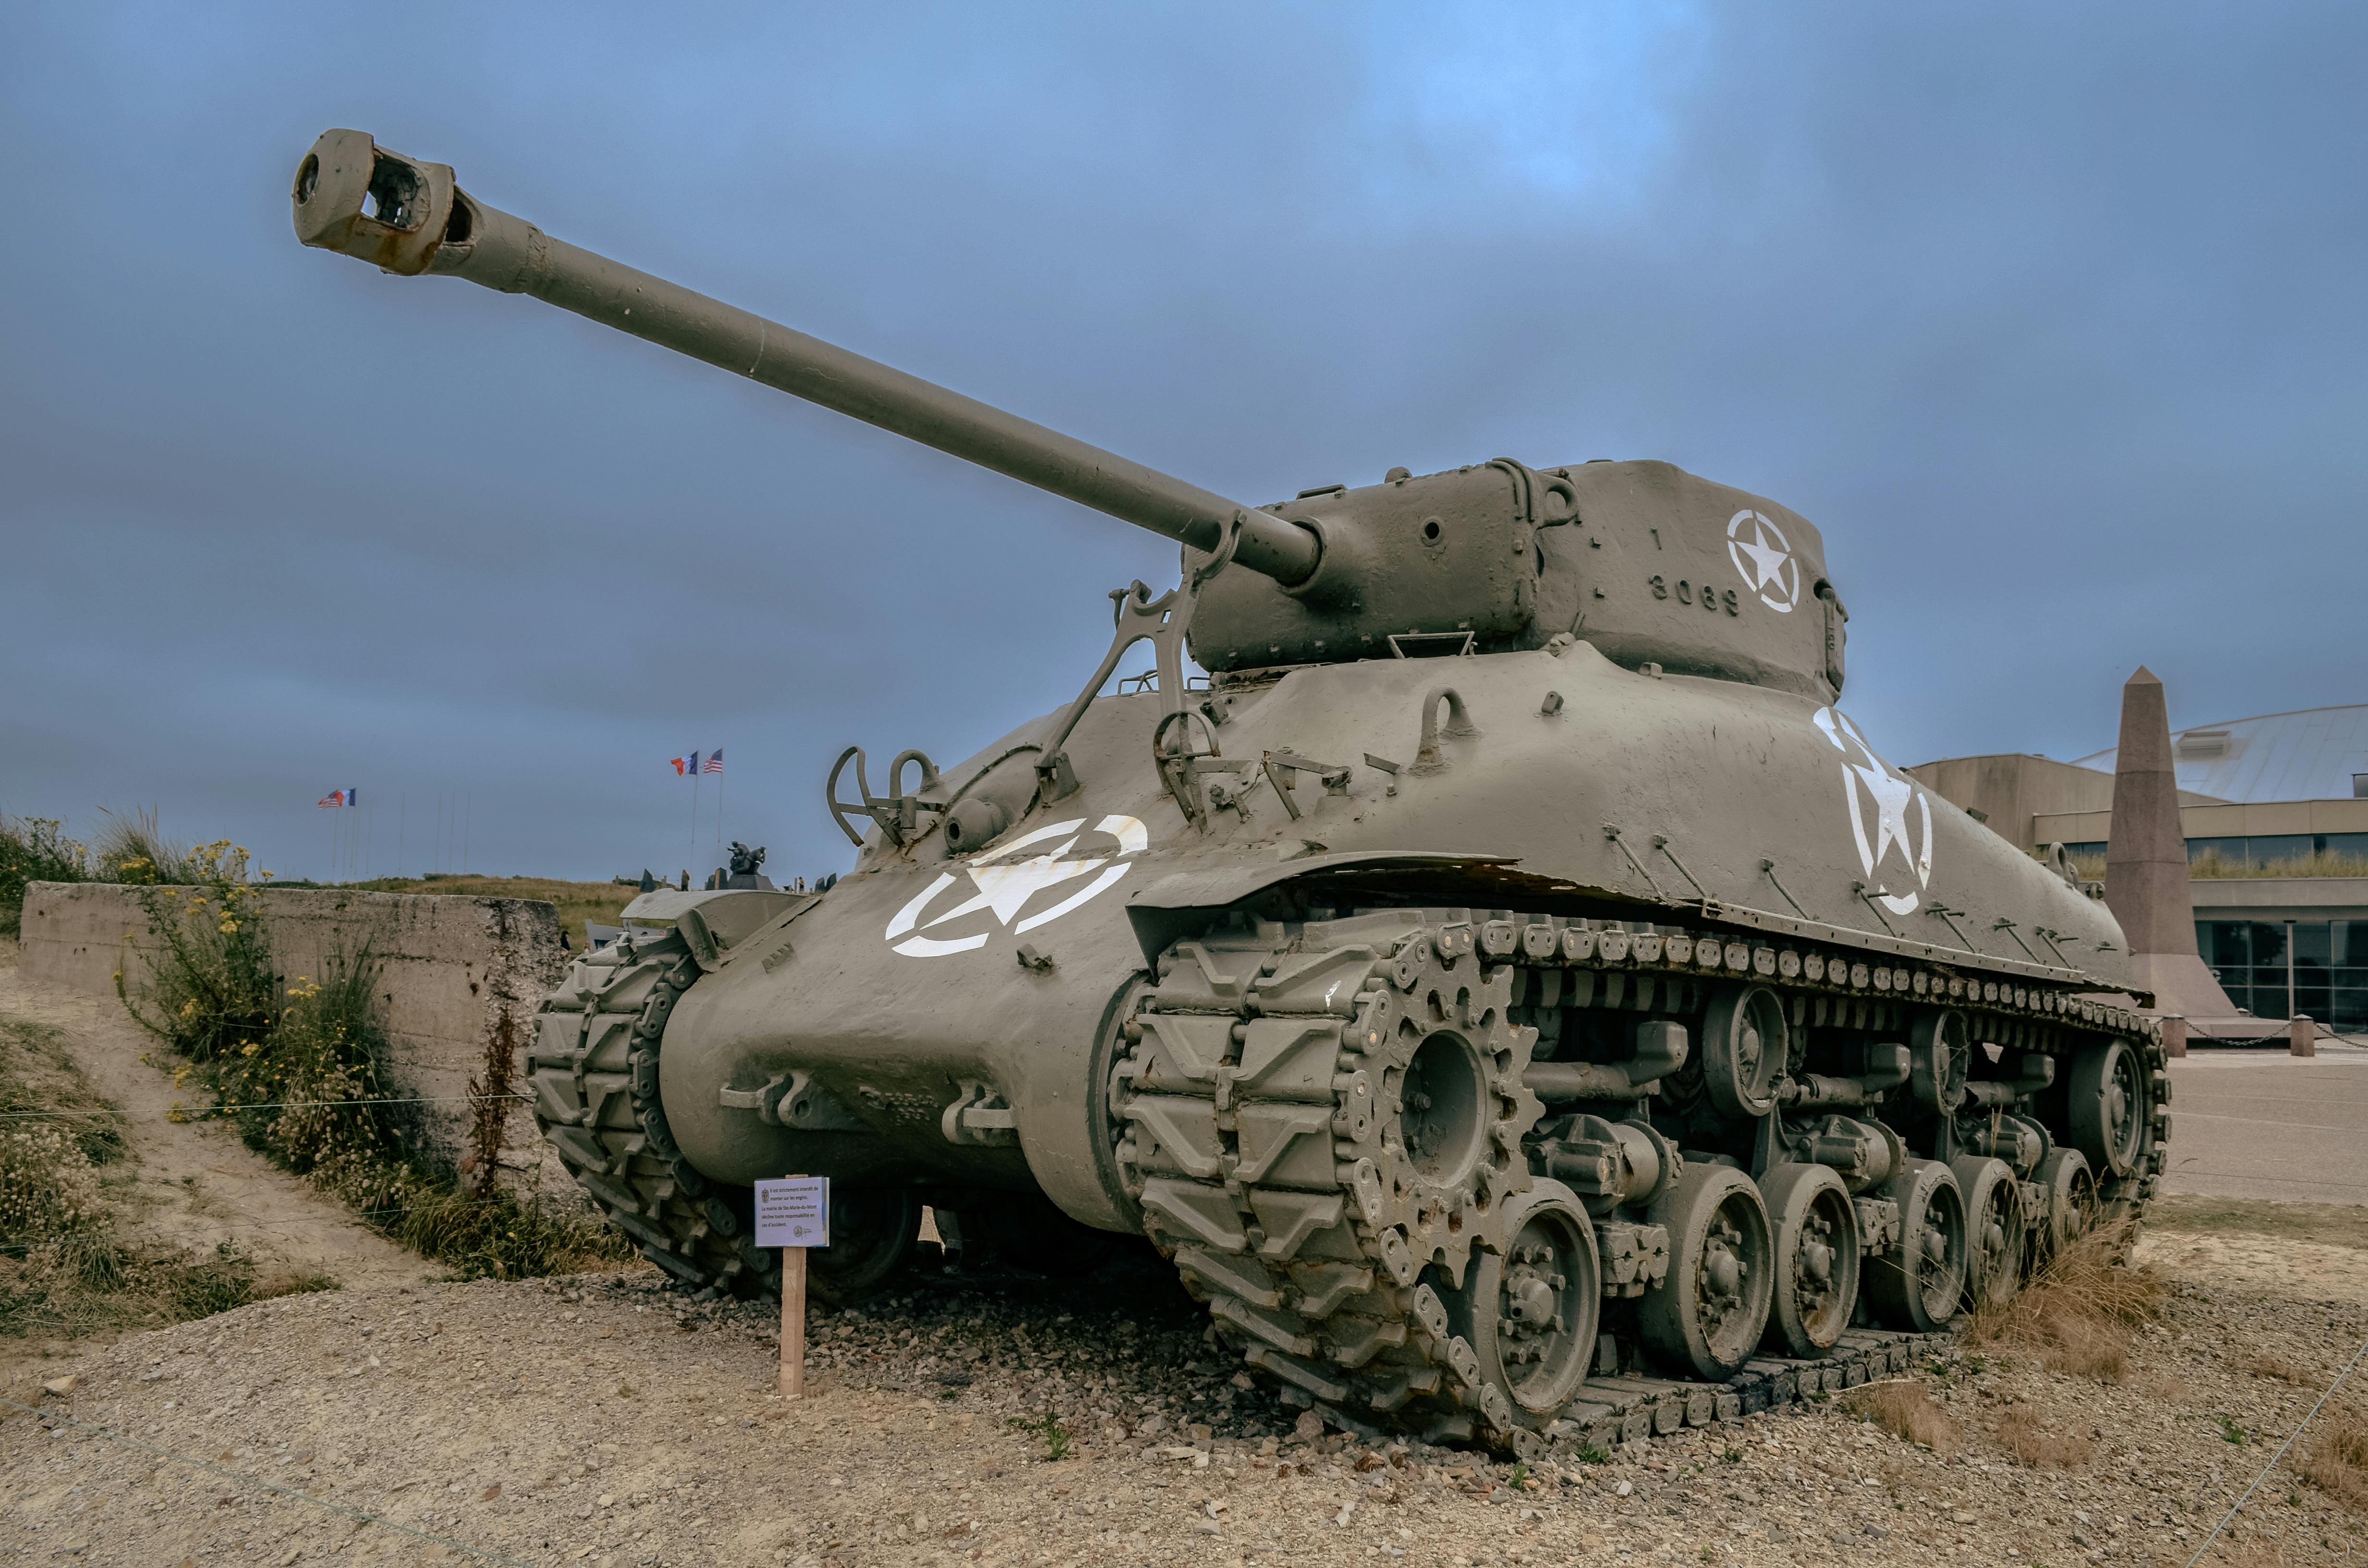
[793,1212]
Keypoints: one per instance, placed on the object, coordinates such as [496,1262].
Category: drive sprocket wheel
[1324,1132]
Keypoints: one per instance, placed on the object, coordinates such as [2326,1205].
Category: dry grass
[2267,1365]
[577,902]
[2331,1225]
[2079,1314]
[2022,1435]
[2256,1552]
[2336,1459]
[2319,863]
[1903,1409]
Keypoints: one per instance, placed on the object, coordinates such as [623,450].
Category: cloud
[2047,318]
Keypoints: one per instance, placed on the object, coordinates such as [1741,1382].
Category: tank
[1507,985]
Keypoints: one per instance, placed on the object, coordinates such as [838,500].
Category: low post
[2174,1036]
[793,1323]
[794,1213]
[2302,1036]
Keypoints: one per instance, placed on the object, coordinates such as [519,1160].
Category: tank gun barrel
[360,200]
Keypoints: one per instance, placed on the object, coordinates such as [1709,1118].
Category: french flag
[340,798]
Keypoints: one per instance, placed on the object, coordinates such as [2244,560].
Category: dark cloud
[2049,318]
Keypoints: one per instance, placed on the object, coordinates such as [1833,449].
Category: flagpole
[468,815]
[401,819]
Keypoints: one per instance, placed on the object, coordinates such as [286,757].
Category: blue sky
[2051,321]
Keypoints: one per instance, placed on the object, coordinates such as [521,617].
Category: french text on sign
[793,1212]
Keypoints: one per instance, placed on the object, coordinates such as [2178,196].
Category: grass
[65,1269]
[35,849]
[577,902]
[2020,1434]
[1902,1408]
[2081,1312]
[2332,1224]
[1055,1435]
[2266,1365]
[2337,1459]
[2319,863]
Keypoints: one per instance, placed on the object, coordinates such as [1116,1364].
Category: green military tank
[1520,1001]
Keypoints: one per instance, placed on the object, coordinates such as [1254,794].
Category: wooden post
[793,1323]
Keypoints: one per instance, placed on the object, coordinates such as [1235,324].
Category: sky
[2051,318]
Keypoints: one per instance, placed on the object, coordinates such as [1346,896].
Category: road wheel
[1530,1311]
[872,1234]
[2071,1188]
[1817,1241]
[1993,1229]
[1916,1284]
[1708,1312]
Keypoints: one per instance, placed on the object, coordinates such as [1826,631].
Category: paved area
[2260,1123]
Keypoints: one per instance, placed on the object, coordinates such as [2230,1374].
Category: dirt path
[195,1184]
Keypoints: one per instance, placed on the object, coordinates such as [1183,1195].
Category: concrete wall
[452,970]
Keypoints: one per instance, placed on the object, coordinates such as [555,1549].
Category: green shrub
[35,849]
[48,1189]
[288,1063]
[211,992]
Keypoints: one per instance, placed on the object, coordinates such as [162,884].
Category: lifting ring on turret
[898,814]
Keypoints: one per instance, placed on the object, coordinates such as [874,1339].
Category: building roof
[2308,755]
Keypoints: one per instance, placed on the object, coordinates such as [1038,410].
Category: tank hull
[1706,780]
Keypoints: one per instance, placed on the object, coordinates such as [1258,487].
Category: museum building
[2275,810]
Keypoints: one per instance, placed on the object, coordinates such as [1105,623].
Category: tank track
[593,1071]
[1258,1097]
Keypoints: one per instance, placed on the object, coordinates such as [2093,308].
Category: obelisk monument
[2145,862]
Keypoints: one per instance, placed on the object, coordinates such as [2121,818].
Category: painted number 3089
[1711,600]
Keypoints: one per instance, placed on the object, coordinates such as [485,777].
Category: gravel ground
[605,1419]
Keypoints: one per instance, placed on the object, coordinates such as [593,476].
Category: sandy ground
[605,1420]
[194,1184]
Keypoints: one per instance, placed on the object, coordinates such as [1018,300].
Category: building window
[2326,978]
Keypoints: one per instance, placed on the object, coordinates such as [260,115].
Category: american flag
[340,798]
[714,763]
